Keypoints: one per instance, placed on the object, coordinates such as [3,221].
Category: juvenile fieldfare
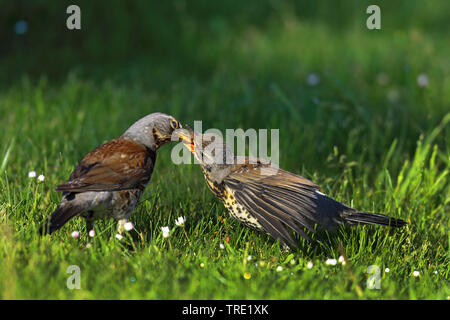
[269,199]
[110,179]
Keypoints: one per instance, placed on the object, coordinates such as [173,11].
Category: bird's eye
[174,124]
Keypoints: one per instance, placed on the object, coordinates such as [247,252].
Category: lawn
[364,114]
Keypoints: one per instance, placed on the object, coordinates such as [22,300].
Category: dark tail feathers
[58,218]
[372,218]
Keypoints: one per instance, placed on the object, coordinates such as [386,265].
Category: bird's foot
[90,227]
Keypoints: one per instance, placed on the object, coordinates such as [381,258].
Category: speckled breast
[236,210]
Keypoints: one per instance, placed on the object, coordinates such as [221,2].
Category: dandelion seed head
[313,79]
[422,80]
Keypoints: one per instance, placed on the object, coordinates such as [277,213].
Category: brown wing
[278,198]
[116,165]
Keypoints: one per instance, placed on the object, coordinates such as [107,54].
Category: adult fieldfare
[110,179]
[269,199]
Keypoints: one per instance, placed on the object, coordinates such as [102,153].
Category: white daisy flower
[387,270]
[180,221]
[416,273]
[128,226]
[310,265]
[75,234]
[41,177]
[92,233]
[165,231]
[119,237]
[331,262]
[32,174]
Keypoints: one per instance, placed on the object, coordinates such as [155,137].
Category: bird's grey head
[211,151]
[153,130]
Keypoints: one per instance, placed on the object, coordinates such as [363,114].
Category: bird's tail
[58,218]
[372,218]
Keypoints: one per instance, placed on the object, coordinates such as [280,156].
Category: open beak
[187,137]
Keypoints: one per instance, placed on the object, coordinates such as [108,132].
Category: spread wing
[280,199]
[116,165]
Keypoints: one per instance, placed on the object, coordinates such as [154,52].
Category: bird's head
[153,130]
[210,150]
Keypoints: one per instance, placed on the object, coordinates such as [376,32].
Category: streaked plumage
[110,179]
[270,199]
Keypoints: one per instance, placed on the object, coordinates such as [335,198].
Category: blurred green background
[361,112]
[196,37]
[263,50]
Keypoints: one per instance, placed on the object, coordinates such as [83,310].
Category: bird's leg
[89,218]
[120,226]
[89,225]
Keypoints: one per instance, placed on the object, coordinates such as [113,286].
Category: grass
[382,147]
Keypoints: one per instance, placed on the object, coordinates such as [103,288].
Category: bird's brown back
[116,165]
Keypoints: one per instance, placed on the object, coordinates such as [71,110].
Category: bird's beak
[187,137]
